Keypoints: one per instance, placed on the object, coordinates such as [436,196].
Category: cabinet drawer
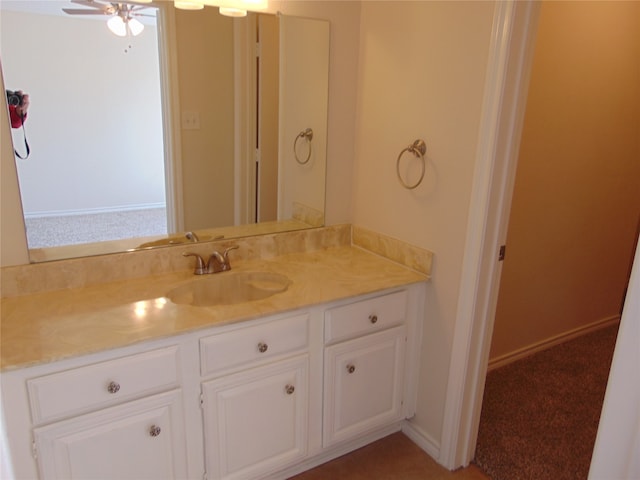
[108,383]
[364,317]
[240,347]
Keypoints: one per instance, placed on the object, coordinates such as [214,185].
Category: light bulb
[117,26]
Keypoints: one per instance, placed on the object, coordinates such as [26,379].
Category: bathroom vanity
[117,381]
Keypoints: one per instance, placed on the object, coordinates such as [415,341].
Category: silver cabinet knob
[351,368]
[289,389]
[113,387]
[154,431]
[373,318]
[262,347]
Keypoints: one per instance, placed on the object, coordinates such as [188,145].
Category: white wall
[94,123]
[422,73]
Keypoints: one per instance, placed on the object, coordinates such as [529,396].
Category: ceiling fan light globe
[117,26]
[135,26]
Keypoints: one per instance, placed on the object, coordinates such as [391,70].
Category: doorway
[576,203]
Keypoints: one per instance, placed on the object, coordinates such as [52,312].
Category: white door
[256,420]
[138,440]
[363,384]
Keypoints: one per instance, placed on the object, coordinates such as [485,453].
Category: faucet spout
[219,262]
[192,236]
[200,268]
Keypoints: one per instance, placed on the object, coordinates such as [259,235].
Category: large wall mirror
[199,127]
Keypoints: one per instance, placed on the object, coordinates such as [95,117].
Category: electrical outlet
[191,120]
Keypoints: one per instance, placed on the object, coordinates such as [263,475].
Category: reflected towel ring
[308,134]
[418,148]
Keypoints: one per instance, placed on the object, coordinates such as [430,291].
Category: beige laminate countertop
[50,326]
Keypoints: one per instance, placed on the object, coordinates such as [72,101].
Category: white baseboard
[91,211]
[524,352]
[422,439]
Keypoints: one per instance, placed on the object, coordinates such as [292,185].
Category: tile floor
[392,458]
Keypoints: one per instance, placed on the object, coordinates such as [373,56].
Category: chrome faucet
[218,262]
[192,236]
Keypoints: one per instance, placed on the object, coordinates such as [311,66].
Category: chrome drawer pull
[262,347]
[154,431]
[289,389]
[113,387]
[373,318]
[351,368]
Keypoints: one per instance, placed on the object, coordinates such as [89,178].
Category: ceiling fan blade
[90,3]
[84,11]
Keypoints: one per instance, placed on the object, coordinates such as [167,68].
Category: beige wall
[13,240]
[576,202]
[205,66]
[303,104]
[344,18]
[422,72]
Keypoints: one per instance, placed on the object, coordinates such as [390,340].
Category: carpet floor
[540,414]
[96,227]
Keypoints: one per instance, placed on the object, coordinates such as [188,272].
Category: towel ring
[308,134]
[418,148]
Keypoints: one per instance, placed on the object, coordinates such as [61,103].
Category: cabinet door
[256,420]
[138,440]
[363,384]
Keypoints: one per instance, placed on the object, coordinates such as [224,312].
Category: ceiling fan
[122,21]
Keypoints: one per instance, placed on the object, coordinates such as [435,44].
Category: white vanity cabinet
[258,399]
[120,418]
[364,362]
[255,420]
[142,439]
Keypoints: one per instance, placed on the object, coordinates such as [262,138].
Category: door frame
[506,87]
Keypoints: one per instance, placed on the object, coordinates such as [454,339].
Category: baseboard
[524,352]
[92,211]
[335,452]
[421,438]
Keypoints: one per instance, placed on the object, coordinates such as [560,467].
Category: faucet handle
[201,268]
[226,252]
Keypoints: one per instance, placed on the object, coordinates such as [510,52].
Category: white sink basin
[228,288]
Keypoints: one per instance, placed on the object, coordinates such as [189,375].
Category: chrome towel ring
[308,135]
[418,148]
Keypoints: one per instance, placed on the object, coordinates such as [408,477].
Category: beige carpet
[540,415]
[96,227]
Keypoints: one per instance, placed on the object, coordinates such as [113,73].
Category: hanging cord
[26,144]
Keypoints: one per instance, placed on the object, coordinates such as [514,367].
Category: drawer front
[237,348]
[102,384]
[364,317]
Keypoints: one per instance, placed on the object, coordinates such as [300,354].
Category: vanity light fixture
[188,4]
[229,8]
